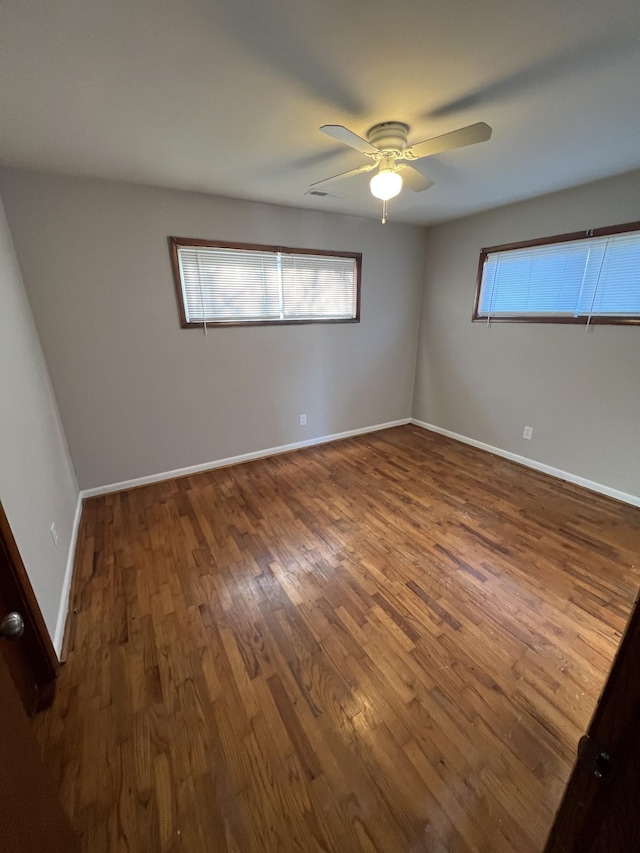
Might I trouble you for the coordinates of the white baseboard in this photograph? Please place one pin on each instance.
(235, 460)
(634, 500)
(63, 610)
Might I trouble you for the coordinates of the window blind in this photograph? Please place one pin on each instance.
(591, 277)
(245, 285)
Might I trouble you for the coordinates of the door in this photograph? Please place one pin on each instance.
(600, 810)
(31, 659)
(31, 816)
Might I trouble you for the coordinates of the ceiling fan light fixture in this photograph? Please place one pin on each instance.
(386, 184)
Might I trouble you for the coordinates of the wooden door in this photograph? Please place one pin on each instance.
(31, 816)
(17, 663)
(600, 810)
(31, 660)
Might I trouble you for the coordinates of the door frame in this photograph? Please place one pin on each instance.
(18, 594)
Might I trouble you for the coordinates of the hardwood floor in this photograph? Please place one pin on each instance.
(391, 643)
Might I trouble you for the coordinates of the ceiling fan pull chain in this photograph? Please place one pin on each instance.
(384, 212)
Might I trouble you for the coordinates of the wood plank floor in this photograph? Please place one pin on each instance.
(391, 643)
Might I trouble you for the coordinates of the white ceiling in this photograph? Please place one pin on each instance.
(227, 97)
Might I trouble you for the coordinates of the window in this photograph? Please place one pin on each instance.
(588, 277)
(224, 284)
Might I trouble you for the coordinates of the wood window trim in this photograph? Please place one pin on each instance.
(176, 242)
(546, 241)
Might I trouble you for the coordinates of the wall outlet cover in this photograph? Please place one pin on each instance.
(527, 433)
(303, 420)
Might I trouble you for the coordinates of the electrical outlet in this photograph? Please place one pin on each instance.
(54, 535)
(527, 433)
(303, 420)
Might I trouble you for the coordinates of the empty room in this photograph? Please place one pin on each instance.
(319, 427)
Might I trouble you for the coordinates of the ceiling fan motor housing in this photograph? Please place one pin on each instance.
(389, 135)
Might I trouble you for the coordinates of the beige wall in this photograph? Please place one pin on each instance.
(137, 394)
(37, 483)
(580, 391)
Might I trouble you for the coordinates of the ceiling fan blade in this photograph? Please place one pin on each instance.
(366, 168)
(413, 179)
(469, 135)
(348, 137)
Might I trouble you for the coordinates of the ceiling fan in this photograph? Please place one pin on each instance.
(386, 146)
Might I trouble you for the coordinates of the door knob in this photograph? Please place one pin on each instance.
(12, 626)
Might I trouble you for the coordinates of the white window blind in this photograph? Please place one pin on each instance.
(591, 277)
(236, 285)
